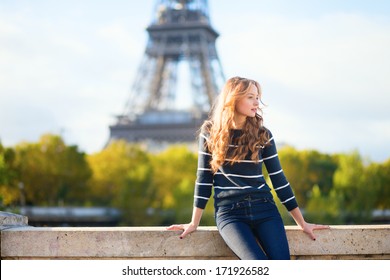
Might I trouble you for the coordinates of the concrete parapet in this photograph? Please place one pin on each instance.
(339, 242)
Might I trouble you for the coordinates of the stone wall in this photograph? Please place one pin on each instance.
(20, 241)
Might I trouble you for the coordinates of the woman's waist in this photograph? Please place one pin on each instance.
(244, 199)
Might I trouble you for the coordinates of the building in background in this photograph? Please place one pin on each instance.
(156, 113)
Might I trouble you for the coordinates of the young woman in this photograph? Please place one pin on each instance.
(233, 145)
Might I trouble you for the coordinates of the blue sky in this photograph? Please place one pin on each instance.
(66, 67)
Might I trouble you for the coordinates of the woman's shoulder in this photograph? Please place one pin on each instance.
(258, 121)
(266, 130)
(267, 135)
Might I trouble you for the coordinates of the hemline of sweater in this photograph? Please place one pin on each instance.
(222, 201)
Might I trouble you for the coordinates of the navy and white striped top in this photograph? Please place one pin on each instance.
(234, 182)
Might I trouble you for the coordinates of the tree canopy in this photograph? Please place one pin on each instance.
(157, 188)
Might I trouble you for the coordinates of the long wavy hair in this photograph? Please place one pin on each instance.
(220, 124)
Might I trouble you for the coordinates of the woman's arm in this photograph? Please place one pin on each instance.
(203, 188)
(306, 227)
(192, 226)
(279, 181)
(284, 190)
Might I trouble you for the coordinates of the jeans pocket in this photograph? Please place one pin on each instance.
(224, 209)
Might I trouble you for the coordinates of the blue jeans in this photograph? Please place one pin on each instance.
(253, 229)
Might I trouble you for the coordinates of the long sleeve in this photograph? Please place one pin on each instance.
(204, 178)
(280, 184)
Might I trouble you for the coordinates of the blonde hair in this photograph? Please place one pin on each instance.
(220, 124)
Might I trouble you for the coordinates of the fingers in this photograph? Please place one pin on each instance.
(321, 227)
(186, 230)
(184, 234)
(316, 227)
(175, 227)
(311, 235)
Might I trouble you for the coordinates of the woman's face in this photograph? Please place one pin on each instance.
(248, 105)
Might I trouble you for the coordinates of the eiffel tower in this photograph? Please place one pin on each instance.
(180, 33)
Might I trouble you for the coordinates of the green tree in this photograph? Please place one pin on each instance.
(122, 177)
(305, 169)
(351, 185)
(51, 172)
(383, 194)
(377, 178)
(174, 180)
(9, 192)
(324, 208)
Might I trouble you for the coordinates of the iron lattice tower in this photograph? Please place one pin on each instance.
(180, 32)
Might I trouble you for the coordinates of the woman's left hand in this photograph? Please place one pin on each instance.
(309, 228)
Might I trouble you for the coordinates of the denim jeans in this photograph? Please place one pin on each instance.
(253, 229)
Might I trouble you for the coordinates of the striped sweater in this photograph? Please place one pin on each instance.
(234, 182)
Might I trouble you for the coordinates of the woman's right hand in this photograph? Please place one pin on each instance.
(186, 228)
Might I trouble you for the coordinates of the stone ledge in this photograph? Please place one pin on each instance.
(339, 242)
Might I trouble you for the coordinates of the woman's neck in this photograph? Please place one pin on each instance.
(238, 124)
